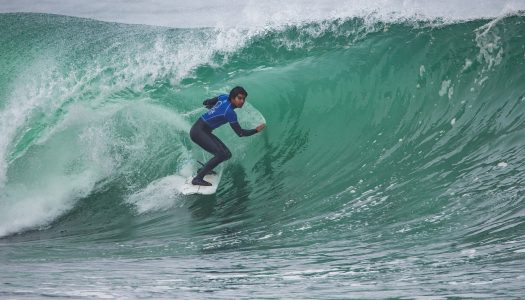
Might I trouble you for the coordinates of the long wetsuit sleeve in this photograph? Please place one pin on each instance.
(242, 132)
(209, 103)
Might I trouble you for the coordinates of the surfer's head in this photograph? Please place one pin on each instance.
(238, 96)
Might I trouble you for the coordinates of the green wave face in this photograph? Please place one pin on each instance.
(385, 142)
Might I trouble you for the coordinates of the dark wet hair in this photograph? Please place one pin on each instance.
(236, 91)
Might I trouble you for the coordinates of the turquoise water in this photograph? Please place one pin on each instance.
(392, 164)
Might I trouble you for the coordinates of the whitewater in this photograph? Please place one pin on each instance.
(392, 165)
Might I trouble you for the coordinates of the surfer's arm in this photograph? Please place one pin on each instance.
(209, 103)
(242, 132)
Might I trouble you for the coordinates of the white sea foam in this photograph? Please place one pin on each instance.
(47, 183)
(16, 112)
(159, 195)
(422, 70)
(37, 205)
(81, 151)
(446, 88)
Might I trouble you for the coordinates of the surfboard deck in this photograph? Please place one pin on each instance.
(190, 189)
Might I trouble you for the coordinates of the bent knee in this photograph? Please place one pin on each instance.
(225, 155)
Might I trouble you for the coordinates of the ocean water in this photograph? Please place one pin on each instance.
(392, 165)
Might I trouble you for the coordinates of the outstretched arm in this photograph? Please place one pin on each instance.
(246, 132)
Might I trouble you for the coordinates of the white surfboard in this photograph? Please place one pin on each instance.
(190, 189)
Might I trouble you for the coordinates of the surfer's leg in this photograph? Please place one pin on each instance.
(213, 145)
(220, 152)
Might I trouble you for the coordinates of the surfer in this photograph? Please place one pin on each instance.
(221, 111)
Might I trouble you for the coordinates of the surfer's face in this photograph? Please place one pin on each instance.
(238, 101)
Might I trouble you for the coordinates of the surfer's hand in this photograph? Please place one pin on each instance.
(260, 127)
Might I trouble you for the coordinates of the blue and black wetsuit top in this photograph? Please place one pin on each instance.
(222, 112)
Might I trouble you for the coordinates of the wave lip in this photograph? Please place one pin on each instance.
(250, 14)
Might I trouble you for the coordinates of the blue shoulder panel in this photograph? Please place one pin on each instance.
(221, 113)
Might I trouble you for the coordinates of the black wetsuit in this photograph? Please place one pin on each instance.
(221, 112)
